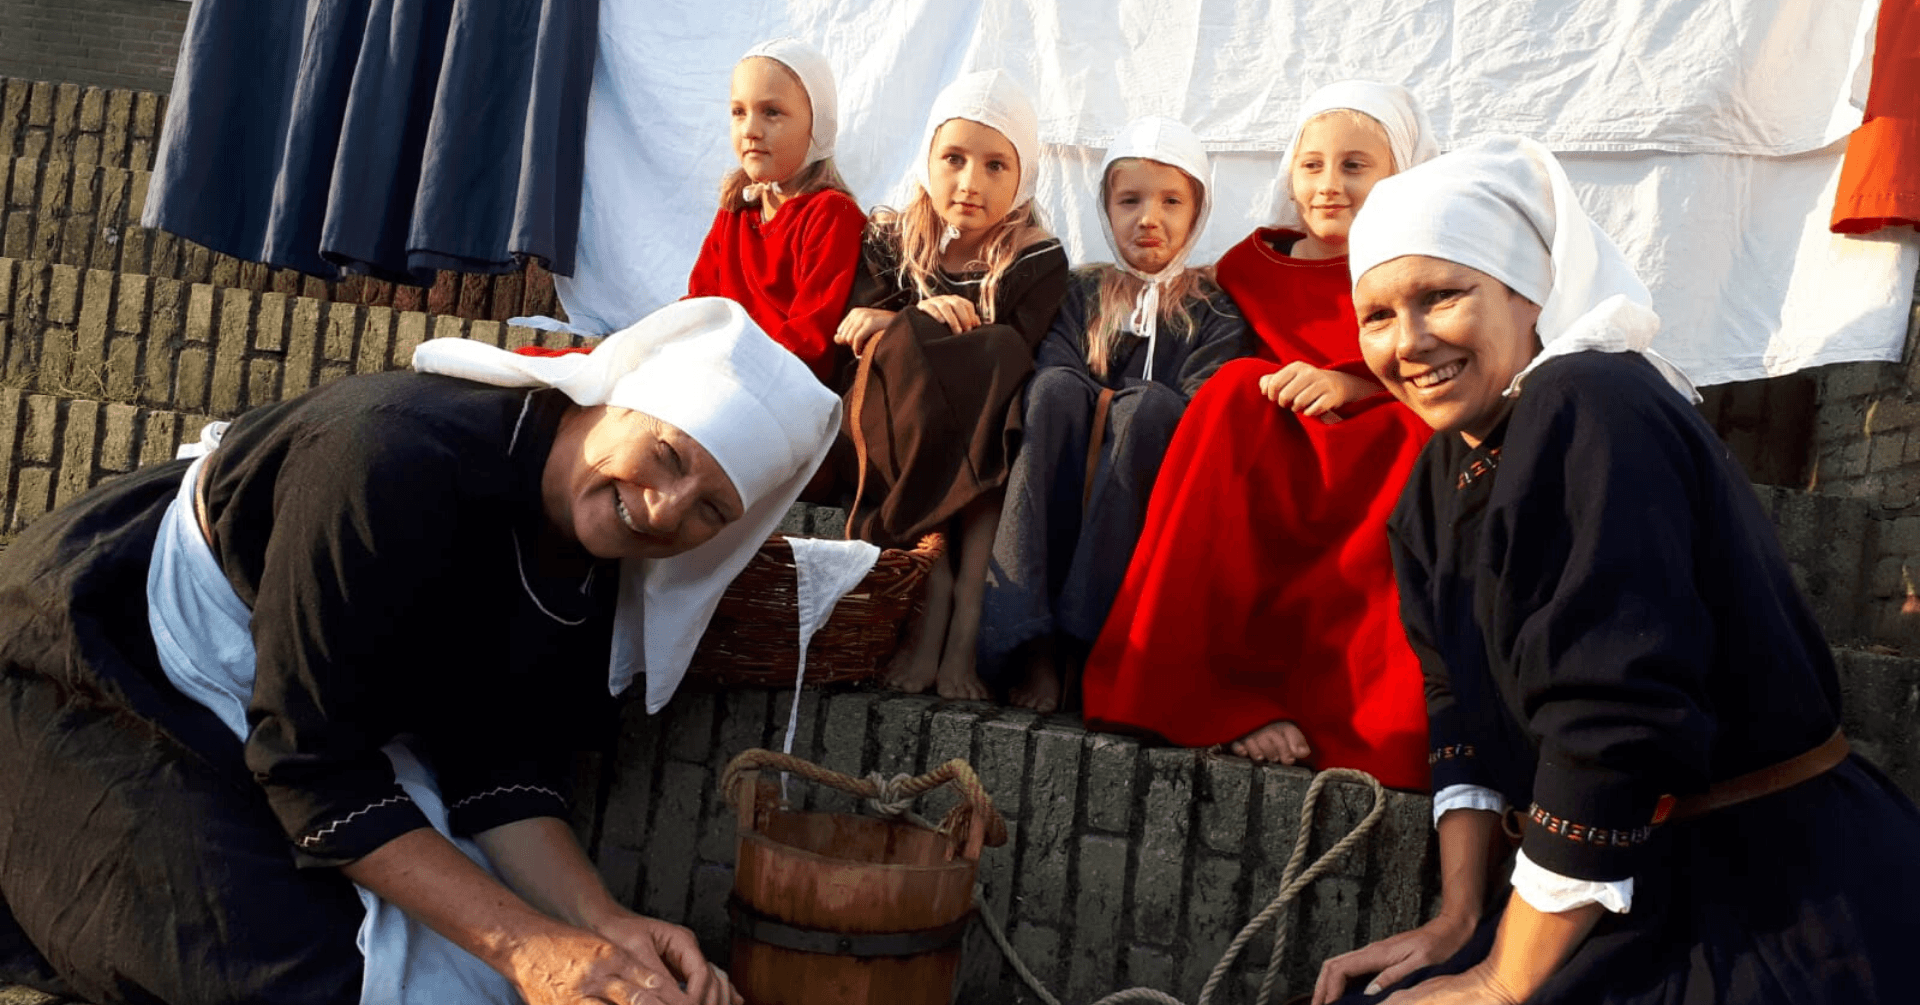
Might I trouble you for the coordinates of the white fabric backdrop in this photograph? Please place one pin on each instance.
(1706, 138)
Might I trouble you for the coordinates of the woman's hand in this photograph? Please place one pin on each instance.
(1477, 986)
(1314, 392)
(664, 947)
(563, 965)
(860, 326)
(1394, 957)
(952, 310)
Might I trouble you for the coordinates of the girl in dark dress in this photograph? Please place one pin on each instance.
(1617, 659)
(351, 644)
(954, 294)
(1132, 343)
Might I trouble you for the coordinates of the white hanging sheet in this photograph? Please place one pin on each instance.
(1705, 137)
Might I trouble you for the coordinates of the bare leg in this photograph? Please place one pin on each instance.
(957, 676)
(1280, 742)
(917, 663)
(1040, 689)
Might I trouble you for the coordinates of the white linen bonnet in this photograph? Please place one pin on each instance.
(995, 100)
(1504, 206)
(816, 78)
(1168, 142)
(1405, 123)
(704, 366)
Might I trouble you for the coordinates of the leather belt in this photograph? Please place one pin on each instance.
(1764, 782)
(1731, 792)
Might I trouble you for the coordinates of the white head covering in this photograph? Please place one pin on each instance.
(816, 78)
(1505, 207)
(997, 101)
(704, 366)
(1408, 135)
(1167, 142)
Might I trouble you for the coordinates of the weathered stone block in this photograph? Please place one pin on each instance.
(190, 379)
(114, 135)
(199, 326)
(1886, 450)
(667, 868)
(66, 109)
(950, 735)
(23, 184)
(1160, 858)
(376, 340)
(77, 450)
(223, 271)
(445, 326)
(1149, 967)
(12, 414)
(1001, 758)
(518, 337)
(1098, 908)
(6, 286)
(303, 346)
(130, 312)
(712, 883)
(270, 322)
(40, 104)
(96, 304)
(263, 381)
(1111, 763)
(843, 744)
(490, 332)
(805, 724)
(897, 729)
(1214, 916)
(1039, 946)
(1225, 796)
(691, 738)
(35, 496)
(93, 109)
(630, 794)
(56, 359)
(160, 438)
(146, 116)
(230, 351)
(343, 323)
(118, 444)
(1052, 793)
(409, 331)
(63, 295)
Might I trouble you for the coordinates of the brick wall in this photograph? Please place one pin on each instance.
(85, 351)
(111, 43)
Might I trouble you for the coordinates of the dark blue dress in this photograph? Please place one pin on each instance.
(1604, 617)
(392, 138)
(1056, 564)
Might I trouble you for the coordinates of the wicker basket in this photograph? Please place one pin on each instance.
(754, 637)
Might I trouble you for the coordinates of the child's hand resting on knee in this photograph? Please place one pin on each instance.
(860, 326)
(1314, 392)
(952, 310)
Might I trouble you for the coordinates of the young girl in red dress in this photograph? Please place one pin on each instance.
(785, 243)
(1259, 609)
(955, 293)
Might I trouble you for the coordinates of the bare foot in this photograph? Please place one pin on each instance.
(916, 666)
(1040, 689)
(1279, 742)
(959, 681)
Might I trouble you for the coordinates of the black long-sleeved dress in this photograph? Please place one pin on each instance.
(375, 528)
(1056, 569)
(1605, 617)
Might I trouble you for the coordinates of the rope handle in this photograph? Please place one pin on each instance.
(972, 822)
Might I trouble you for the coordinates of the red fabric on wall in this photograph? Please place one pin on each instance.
(1262, 588)
(1880, 179)
(792, 273)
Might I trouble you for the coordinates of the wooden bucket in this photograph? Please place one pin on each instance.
(838, 909)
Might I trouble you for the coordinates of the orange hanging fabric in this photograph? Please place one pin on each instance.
(1880, 179)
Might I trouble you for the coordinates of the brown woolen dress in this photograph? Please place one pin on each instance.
(934, 418)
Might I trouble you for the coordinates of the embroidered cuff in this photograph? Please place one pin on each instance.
(1546, 890)
(503, 804)
(340, 838)
(1466, 797)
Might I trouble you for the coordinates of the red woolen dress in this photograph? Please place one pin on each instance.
(792, 273)
(1262, 588)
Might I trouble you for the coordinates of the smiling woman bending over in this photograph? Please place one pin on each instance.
(1616, 657)
(355, 643)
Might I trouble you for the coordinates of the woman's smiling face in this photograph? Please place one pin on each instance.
(627, 485)
(1445, 339)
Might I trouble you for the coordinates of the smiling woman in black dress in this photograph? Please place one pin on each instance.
(1616, 656)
